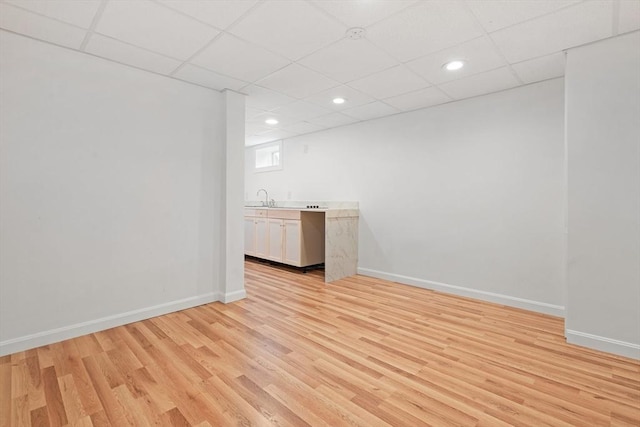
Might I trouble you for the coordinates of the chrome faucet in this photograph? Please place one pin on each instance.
(266, 197)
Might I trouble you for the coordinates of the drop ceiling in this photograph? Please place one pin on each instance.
(293, 57)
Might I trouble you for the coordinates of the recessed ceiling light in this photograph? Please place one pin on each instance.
(271, 121)
(453, 65)
(339, 100)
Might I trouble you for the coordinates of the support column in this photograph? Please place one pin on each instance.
(232, 276)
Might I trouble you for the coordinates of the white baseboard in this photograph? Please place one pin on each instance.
(596, 342)
(66, 332)
(540, 307)
(233, 296)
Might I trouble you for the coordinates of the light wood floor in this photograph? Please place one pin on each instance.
(297, 352)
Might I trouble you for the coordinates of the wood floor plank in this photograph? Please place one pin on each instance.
(87, 345)
(39, 417)
(19, 378)
(71, 399)
(55, 404)
(100, 419)
(155, 394)
(233, 408)
(360, 352)
(263, 402)
(5, 392)
(300, 397)
(86, 390)
(45, 357)
(149, 410)
(175, 418)
(112, 409)
(20, 414)
(362, 416)
(132, 409)
(171, 385)
(35, 385)
(82, 422)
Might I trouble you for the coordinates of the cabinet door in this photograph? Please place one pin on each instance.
(292, 243)
(275, 240)
(262, 235)
(249, 236)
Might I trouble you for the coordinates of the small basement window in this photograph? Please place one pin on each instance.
(268, 157)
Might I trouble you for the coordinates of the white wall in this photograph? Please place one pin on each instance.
(465, 197)
(603, 146)
(110, 193)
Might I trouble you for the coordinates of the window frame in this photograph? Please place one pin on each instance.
(267, 145)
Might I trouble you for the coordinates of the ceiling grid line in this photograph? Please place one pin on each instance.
(179, 12)
(198, 52)
(615, 17)
(50, 18)
(94, 24)
(487, 37)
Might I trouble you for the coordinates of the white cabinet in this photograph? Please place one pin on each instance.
(250, 235)
(285, 241)
(261, 237)
(276, 234)
(292, 242)
(290, 237)
(255, 232)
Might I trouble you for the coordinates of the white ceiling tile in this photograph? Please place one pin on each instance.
(292, 28)
(496, 14)
(480, 84)
(39, 27)
(629, 16)
(251, 112)
(390, 82)
(424, 28)
(349, 59)
(154, 27)
(265, 99)
(254, 128)
(569, 27)
(479, 54)
(333, 120)
(304, 127)
(353, 98)
(234, 57)
(258, 126)
(371, 111)
(302, 110)
(204, 77)
(282, 119)
(297, 81)
(418, 99)
(76, 12)
(546, 67)
(362, 13)
(219, 13)
(131, 55)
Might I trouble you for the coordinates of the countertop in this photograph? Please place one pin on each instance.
(330, 212)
